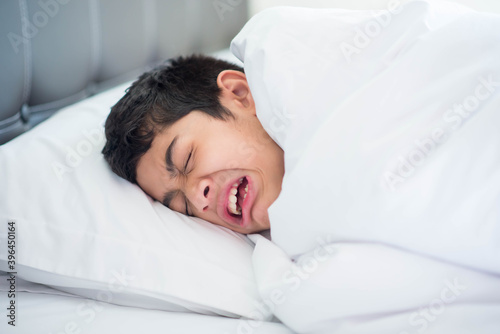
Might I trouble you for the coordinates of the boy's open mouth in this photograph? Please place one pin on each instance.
(237, 195)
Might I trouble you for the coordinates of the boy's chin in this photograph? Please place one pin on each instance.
(257, 227)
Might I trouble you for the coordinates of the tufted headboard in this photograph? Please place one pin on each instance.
(56, 52)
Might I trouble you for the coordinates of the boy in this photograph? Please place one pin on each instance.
(187, 134)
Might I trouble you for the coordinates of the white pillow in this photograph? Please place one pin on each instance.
(82, 229)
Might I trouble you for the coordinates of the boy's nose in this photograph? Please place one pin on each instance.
(201, 194)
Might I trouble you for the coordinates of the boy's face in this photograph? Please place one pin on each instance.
(227, 172)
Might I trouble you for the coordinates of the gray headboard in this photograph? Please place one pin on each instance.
(56, 52)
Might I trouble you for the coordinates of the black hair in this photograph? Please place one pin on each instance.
(157, 99)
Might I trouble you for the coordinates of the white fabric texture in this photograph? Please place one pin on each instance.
(373, 288)
(38, 308)
(82, 229)
(389, 124)
(375, 149)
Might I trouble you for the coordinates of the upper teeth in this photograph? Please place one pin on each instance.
(233, 198)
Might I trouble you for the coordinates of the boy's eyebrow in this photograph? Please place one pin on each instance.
(168, 157)
(169, 195)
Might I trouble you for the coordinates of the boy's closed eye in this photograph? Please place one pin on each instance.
(185, 172)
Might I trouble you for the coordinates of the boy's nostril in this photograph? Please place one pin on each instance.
(205, 193)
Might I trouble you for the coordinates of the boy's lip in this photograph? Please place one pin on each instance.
(222, 206)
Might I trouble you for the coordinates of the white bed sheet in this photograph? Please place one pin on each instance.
(40, 309)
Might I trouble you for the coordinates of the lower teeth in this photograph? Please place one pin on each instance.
(234, 209)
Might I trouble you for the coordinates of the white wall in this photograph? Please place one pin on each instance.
(256, 6)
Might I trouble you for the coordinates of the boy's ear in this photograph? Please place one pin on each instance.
(234, 85)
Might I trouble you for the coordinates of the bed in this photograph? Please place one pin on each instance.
(84, 251)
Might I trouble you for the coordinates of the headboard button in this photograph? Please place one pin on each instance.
(25, 113)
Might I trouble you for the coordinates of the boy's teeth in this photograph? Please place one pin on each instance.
(232, 200)
(233, 210)
(246, 191)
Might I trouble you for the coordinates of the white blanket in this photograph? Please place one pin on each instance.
(389, 123)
